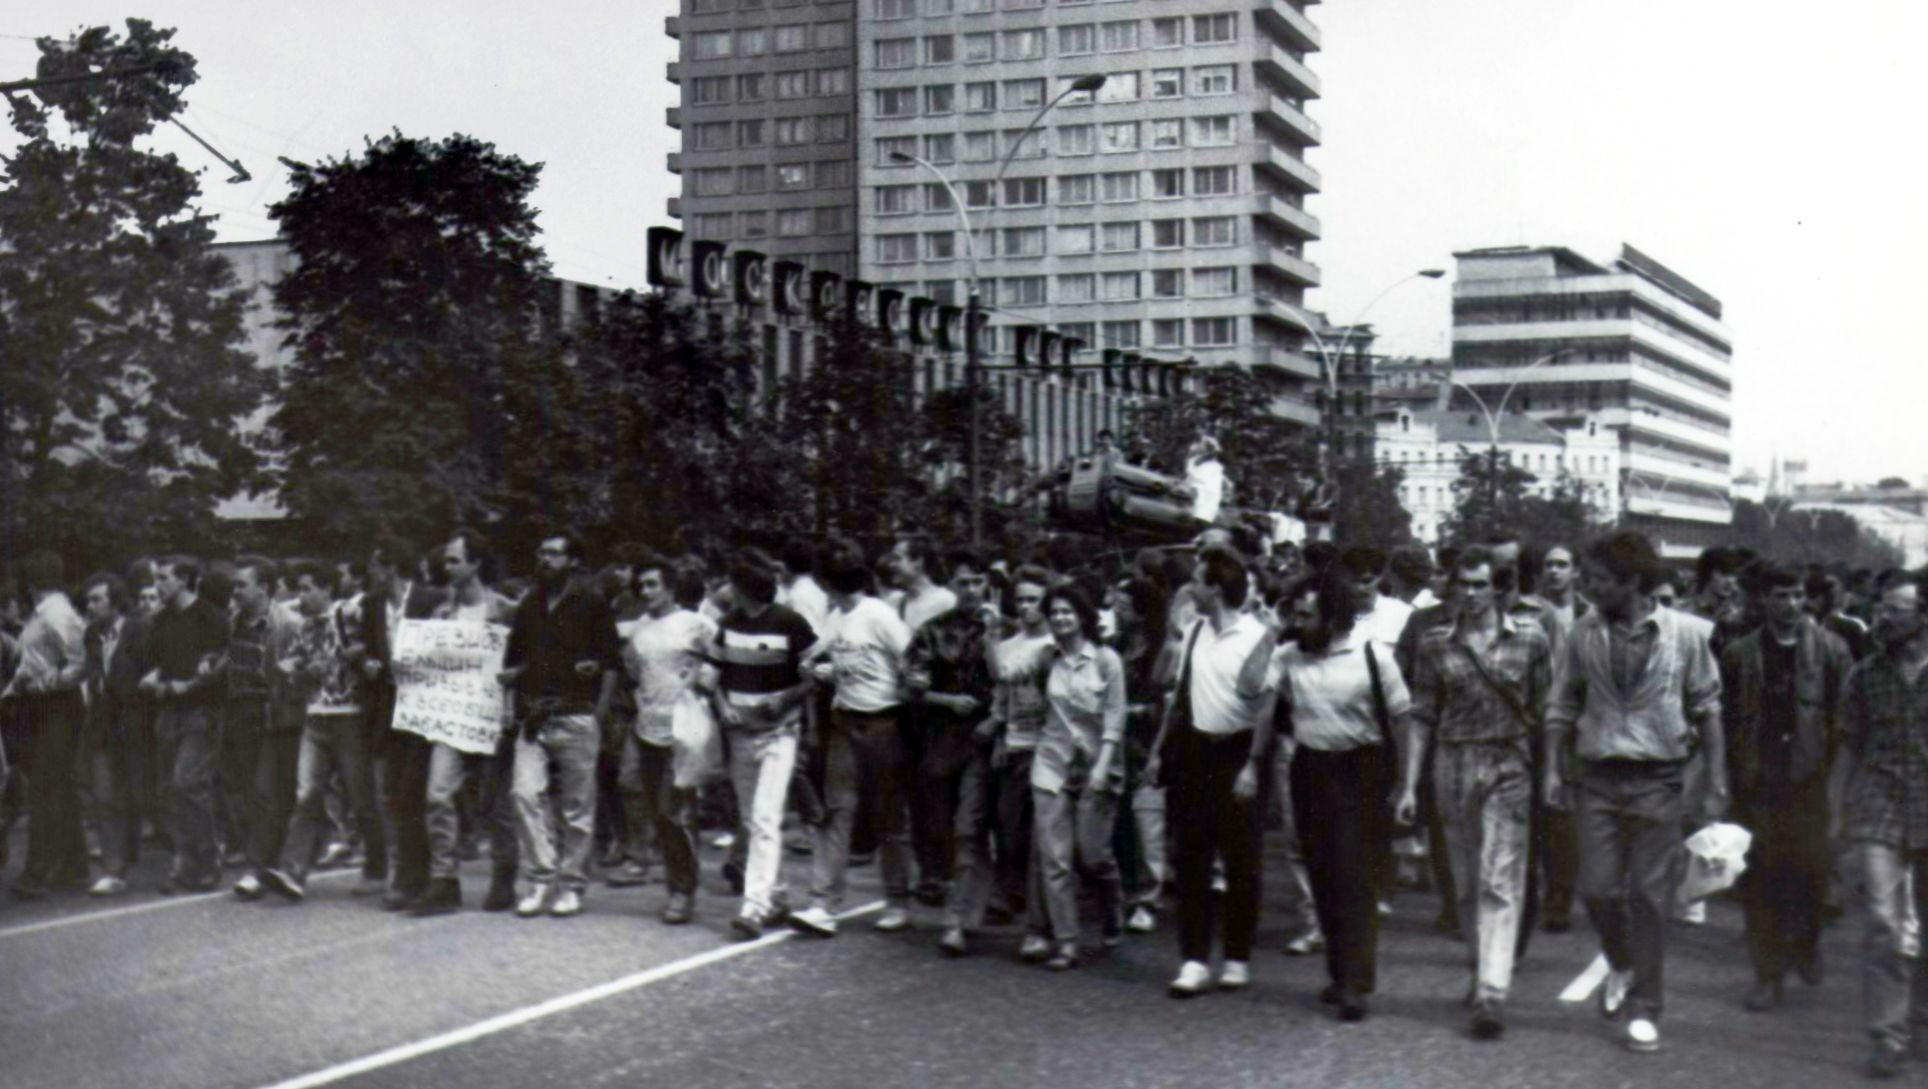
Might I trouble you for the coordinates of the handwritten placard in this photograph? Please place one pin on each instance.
(445, 682)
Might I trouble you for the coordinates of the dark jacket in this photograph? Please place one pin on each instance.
(114, 699)
(1821, 665)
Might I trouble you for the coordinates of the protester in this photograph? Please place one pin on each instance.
(265, 707)
(116, 724)
(185, 643)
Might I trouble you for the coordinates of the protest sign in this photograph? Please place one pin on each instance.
(445, 682)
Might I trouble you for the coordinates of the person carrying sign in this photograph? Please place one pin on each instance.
(1480, 687)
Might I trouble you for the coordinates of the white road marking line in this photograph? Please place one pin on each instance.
(1586, 982)
(136, 909)
(560, 1004)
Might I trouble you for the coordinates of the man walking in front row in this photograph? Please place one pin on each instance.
(1637, 689)
(1479, 691)
(185, 642)
(1882, 774)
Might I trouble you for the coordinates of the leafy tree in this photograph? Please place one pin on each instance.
(1809, 536)
(944, 447)
(123, 386)
(1889, 482)
(413, 299)
(1367, 508)
(1267, 459)
(1491, 496)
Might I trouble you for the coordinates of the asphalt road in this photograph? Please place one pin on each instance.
(206, 992)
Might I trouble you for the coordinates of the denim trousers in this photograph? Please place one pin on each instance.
(119, 768)
(1485, 798)
(646, 778)
(449, 769)
(1628, 815)
(333, 745)
(991, 838)
(1890, 978)
(243, 724)
(555, 777)
(184, 751)
(275, 789)
(1073, 840)
(862, 748)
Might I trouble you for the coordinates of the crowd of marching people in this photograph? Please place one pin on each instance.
(1011, 738)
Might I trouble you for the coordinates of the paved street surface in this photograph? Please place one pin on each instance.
(206, 992)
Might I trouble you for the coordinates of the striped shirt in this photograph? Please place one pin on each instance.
(758, 656)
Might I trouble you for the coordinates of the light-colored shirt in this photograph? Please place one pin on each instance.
(1206, 479)
(866, 645)
(1332, 707)
(1019, 700)
(1641, 693)
(1085, 707)
(661, 656)
(1385, 622)
(1225, 695)
(806, 599)
(53, 647)
(927, 606)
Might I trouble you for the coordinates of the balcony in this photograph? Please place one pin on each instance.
(1295, 411)
(1296, 269)
(676, 162)
(673, 27)
(1281, 18)
(1278, 63)
(1286, 215)
(676, 207)
(1271, 355)
(673, 71)
(1276, 110)
(1294, 316)
(673, 117)
(1291, 169)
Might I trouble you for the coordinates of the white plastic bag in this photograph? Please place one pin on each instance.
(696, 744)
(1716, 856)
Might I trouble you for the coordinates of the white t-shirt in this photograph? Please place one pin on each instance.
(1220, 703)
(1386, 622)
(662, 655)
(806, 599)
(1331, 693)
(1206, 479)
(866, 647)
(929, 605)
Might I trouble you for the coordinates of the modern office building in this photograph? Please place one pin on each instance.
(1163, 213)
(1640, 349)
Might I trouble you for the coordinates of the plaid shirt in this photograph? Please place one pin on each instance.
(1887, 731)
(1459, 706)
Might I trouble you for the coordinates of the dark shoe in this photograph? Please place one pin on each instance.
(1765, 996)
(444, 897)
(1331, 996)
(1887, 1061)
(1809, 968)
(746, 927)
(1352, 1007)
(1064, 958)
(998, 915)
(733, 874)
(281, 883)
(501, 895)
(1487, 1024)
(679, 909)
(953, 944)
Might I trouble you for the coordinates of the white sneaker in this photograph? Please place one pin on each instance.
(1695, 913)
(1305, 944)
(568, 902)
(1194, 976)
(1034, 949)
(1643, 1035)
(815, 921)
(1235, 976)
(1613, 993)
(1142, 920)
(108, 885)
(534, 903)
(893, 920)
(248, 888)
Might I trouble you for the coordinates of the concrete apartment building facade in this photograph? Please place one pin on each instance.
(1426, 445)
(1162, 215)
(1647, 356)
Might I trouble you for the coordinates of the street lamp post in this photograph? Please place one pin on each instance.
(973, 303)
(1493, 418)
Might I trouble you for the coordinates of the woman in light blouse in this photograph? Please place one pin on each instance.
(1078, 774)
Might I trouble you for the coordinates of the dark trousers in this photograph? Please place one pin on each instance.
(1786, 878)
(403, 777)
(1559, 862)
(1209, 823)
(651, 798)
(273, 796)
(1339, 802)
(119, 772)
(56, 846)
(1629, 815)
(185, 750)
(244, 722)
(944, 748)
(330, 745)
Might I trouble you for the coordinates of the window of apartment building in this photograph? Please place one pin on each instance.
(749, 133)
(1214, 282)
(832, 127)
(754, 224)
(896, 249)
(708, 7)
(1168, 184)
(710, 136)
(1219, 131)
(1076, 139)
(1077, 189)
(940, 98)
(830, 35)
(1024, 241)
(979, 97)
(753, 41)
(1119, 136)
(980, 48)
(1210, 29)
(980, 194)
(980, 147)
(713, 225)
(936, 197)
(896, 52)
(1120, 186)
(1119, 237)
(792, 131)
(832, 173)
(1119, 334)
(1168, 33)
(1215, 231)
(1019, 144)
(1076, 238)
(940, 49)
(1214, 181)
(1166, 133)
(1084, 332)
(1022, 45)
(1023, 94)
(794, 223)
(713, 182)
(1168, 283)
(984, 242)
(896, 200)
(1118, 286)
(1214, 332)
(1023, 192)
(1119, 87)
(1073, 40)
(1072, 96)
(793, 85)
(1214, 79)
(1167, 234)
(1079, 287)
(711, 44)
(793, 176)
(940, 245)
(752, 179)
(979, 7)
(833, 219)
(1022, 5)
(941, 147)
(709, 90)
(1119, 37)
(939, 7)
(941, 291)
(1167, 82)
(897, 101)
(833, 81)
(890, 145)
(1021, 291)
(1168, 333)
(794, 38)
(896, 9)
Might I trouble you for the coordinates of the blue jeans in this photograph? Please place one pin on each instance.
(860, 748)
(557, 755)
(1628, 815)
(330, 745)
(184, 752)
(1888, 975)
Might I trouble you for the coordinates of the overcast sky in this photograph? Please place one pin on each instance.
(1767, 151)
